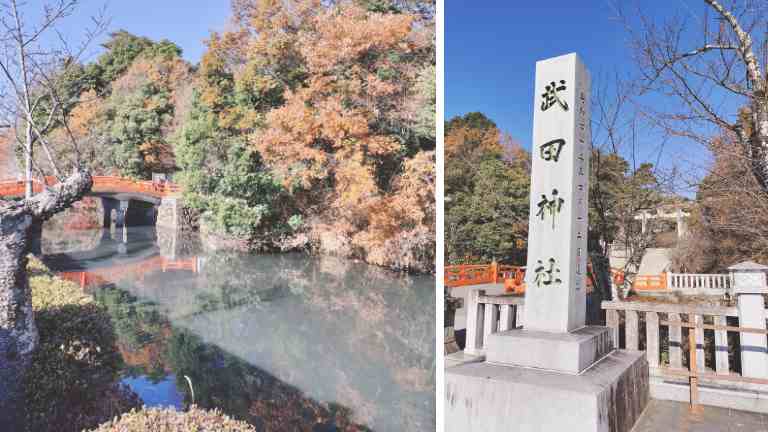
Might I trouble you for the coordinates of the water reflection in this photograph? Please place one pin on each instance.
(286, 342)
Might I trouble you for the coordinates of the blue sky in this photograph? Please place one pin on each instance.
(187, 23)
(491, 51)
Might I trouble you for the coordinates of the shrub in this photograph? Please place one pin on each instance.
(170, 420)
(50, 291)
(72, 381)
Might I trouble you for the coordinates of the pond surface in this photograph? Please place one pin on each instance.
(283, 341)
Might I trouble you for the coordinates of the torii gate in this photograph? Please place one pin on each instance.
(677, 213)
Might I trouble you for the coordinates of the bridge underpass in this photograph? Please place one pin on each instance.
(126, 201)
(133, 210)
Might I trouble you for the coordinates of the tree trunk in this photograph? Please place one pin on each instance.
(18, 334)
(758, 142)
(28, 163)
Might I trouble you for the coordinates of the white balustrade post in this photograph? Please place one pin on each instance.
(652, 339)
(675, 342)
(612, 321)
(506, 317)
(632, 330)
(519, 315)
(749, 287)
(721, 347)
(491, 321)
(699, 333)
(475, 317)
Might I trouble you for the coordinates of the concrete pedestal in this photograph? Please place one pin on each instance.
(607, 397)
(750, 286)
(569, 353)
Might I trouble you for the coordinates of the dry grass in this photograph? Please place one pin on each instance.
(170, 420)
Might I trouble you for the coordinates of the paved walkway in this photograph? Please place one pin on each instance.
(655, 261)
(668, 416)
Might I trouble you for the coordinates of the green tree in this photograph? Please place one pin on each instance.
(487, 195)
(616, 193)
(122, 49)
(490, 220)
(226, 180)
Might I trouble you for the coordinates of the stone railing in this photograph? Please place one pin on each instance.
(715, 284)
(487, 314)
(684, 283)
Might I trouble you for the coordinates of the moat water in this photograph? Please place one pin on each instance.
(282, 341)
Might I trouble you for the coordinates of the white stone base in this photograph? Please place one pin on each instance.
(461, 357)
(568, 353)
(608, 397)
(737, 396)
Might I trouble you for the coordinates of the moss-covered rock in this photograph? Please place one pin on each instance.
(169, 420)
(73, 380)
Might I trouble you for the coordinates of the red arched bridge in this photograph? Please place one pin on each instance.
(154, 200)
(101, 185)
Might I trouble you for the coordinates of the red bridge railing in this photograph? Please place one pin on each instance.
(513, 277)
(100, 184)
(135, 270)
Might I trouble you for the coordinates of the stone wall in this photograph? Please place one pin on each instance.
(169, 214)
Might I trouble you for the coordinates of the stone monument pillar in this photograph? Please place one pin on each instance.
(557, 230)
(555, 373)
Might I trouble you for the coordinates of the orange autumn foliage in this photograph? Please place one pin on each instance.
(325, 94)
(464, 141)
(401, 223)
(84, 114)
(324, 127)
(341, 36)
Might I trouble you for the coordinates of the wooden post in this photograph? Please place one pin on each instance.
(694, 379)
(494, 272)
